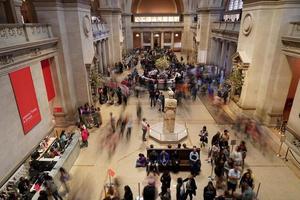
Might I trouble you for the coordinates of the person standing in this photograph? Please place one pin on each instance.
(191, 186)
(128, 193)
(84, 137)
(129, 128)
(64, 178)
(180, 190)
(203, 137)
(112, 122)
(51, 187)
(209, 192)
(139, 111)
(233, 176)
(145, 127)
(165, 180)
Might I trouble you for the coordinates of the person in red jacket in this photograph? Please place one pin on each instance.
(84, 137)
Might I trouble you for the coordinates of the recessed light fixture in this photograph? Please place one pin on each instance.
(137, 35)
(176, 35)
(156, 35)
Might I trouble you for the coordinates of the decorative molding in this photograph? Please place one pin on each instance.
(6, 59)
(247, 24)
(86, 25)
(35, 52)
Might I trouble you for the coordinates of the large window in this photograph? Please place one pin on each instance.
(157, 19)
(235, 4)
(233, 11)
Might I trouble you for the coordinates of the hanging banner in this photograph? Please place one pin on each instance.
(25, 96)
(48, 79)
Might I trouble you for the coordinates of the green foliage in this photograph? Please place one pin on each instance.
(162, 63)
(236, 80)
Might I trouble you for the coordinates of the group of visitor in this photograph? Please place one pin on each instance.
(90, 116)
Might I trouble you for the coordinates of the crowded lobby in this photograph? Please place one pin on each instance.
(149, 99)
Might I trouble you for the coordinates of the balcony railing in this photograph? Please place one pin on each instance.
(100, 31)
(294, 29)
(17, 34)
(291, 39)
(233, 27)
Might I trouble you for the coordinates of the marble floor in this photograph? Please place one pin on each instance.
(89, 173)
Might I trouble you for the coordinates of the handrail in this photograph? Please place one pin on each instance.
(294, 156)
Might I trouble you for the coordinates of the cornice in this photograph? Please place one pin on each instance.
(252, 3)
(7, 50)
(210, 10)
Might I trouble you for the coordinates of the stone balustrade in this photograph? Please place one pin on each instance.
(291, 39)
(100, 31)
(294, 29)
(17, 34)
(226, 26)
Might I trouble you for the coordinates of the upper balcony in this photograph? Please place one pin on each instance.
(157, 21)
(291, 40)
(16, 36)
(99, 28)
(226, 29)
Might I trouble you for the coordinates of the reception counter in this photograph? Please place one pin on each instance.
(66, 160)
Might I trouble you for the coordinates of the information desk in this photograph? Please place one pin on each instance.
(66, 160)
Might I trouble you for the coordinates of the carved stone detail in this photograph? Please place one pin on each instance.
(6, 59)
(247, 24)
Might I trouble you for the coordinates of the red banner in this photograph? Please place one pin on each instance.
(48, 79)
(25, 96)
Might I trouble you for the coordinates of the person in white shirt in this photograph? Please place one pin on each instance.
(195, 161)
(234, 176)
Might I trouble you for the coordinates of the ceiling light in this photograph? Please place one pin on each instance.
(137, 35)
(176, 35)
(156, 35)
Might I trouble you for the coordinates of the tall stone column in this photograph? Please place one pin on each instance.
(208, 12)
(172, 40)
(111, 13)
(17, 5)
(152, 40)
(108, 61)
(222, 57)
(162, 40)
(142, 39)
(104, 51)
(99, 49)
(75, 47)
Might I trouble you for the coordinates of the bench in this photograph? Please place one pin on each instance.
(183, 155)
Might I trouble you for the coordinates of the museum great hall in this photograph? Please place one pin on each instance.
(104, 99)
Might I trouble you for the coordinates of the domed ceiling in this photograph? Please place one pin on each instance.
(157, 6)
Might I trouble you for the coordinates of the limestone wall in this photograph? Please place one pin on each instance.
(14, 144)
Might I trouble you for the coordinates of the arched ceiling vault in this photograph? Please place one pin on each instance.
(157, 6)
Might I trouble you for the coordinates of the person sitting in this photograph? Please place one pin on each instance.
(141, 161)
(164, 159)
(152, 161)
(195, 161)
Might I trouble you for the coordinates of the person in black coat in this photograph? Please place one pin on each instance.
(149, 192)
(165, 180)
(128, 194)
(209, 192)
(180, 190)
(191, 186)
